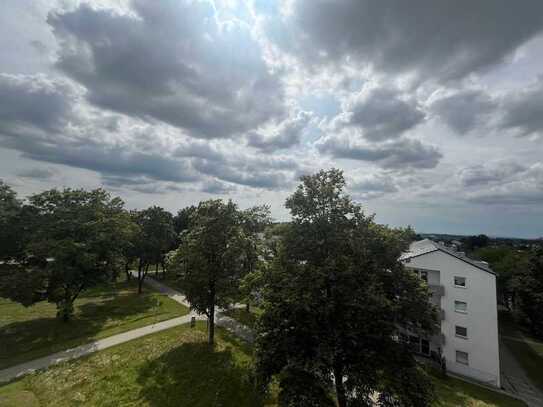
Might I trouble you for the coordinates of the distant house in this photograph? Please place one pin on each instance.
(465, 292)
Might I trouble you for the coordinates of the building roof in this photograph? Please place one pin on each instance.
(425, 246)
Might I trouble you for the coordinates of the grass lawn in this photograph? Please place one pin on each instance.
(527, 350)
(177, 368)
(170, 368)
(452, 392)
(242, 316)
(29, 333)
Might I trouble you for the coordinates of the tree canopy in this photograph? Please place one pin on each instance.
(75, 243)
(212, 258)
(334, 300)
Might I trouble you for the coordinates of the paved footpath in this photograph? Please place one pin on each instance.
(83, 350)
(42, 363)
(230, 324)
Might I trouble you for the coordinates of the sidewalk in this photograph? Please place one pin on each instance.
(227, 323)
(83, 350)
(221, 320)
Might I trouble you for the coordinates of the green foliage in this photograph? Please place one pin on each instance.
(301, 388)
(212, 257)
(75, 244)
(528, 284)
(11, 231)
(335, 295)
(153, 238)
(506, 262)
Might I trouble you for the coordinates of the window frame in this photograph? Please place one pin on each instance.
(460, 286)
(460, 311)
(460, 335)
(460, 361)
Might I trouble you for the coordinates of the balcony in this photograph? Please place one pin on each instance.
(437, 290)
(438, 339)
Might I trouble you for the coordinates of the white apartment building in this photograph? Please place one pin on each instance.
(465, 291)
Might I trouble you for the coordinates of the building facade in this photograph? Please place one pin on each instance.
(464, 291)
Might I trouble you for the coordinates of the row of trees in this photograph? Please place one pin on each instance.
(332, 290)
(519, 276)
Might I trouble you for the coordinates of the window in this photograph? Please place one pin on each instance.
(460, 281)
(424, 275)
(461, 306)
(461, 331)
(462, 357)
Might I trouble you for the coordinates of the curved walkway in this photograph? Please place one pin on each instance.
(22, 369)
(227, 323)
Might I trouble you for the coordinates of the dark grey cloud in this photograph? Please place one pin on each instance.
(286, 135)
(464, 110)
(380, 114)
(445, 40)
(255, 172)
(35, 101)
(484, 174)
(372, 186)
(40, 174)
(170, 62)
(503, 183)
(217, 187)
(523, 110)
(398, 154)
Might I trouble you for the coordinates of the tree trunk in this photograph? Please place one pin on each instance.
(141, 276)
(211, 317)
(127, 271)
(340, 389)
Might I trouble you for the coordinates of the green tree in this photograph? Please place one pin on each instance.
(11, 233)
(506, 262)
(528, 284)
(181, 221)
(153, 238)
(75, 244)
(212, 258)
(254, 222)
(334, 299)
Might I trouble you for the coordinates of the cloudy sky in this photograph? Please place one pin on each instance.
(434, 109)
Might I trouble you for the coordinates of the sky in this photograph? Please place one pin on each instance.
(433, 109)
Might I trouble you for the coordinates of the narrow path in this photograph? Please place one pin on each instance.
(227, 323)
(83, 350)
(515, 380)
(230, 324)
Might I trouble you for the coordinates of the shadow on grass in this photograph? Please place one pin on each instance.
(197, 376)
(95, 310)
(452, 392)
(530, 360)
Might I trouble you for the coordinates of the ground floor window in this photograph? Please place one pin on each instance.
(462, 357)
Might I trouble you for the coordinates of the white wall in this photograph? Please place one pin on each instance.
(481, 319)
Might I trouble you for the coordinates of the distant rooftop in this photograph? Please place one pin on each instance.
(425, 246)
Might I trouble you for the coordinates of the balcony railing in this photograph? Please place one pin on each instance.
(437, 290)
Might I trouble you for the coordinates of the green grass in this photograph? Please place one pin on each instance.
(452, 392)
(29, 333)
(177, 368)
(242, 316)
(170, 368)
(528, 351)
